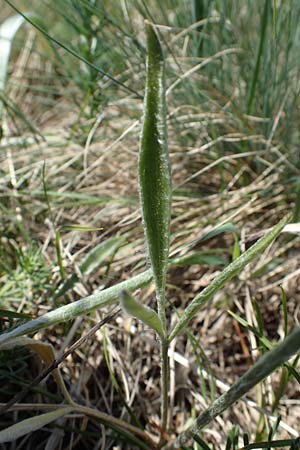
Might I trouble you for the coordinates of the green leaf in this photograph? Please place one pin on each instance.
(236, 248)
(83, 306)
(81, 228)
(227, 274)
(265, 343)
(147, 315)
(110, 295)
(205, 237)
(92, 261)
(274, 444)
(33, 424)
(199, 258)
(59, 255)
(154, 166)
(216, 231)
(14, 315)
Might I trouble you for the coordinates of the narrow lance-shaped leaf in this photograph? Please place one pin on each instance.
(95, 301)
(227, 274)
(154, 166)
(33, 424)
(261, 369)
(147, 315)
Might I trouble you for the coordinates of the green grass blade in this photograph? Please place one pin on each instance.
(227, 227)
(274, 18)
(154, 166)
(198, 13)
(274, 444)
(202, 444)
(228, 273)
(5, 313)
(199, 258)
(59, 255)
(102, 252)
(296, 214)
(264, 24)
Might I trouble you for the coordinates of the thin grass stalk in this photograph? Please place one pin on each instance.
(254, 80)
(261, 369)
(198, 13)
(119, 423)
(165, 382)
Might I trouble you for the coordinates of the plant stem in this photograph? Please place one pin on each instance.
(110, 420)
(165, 376)
(165, 369)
